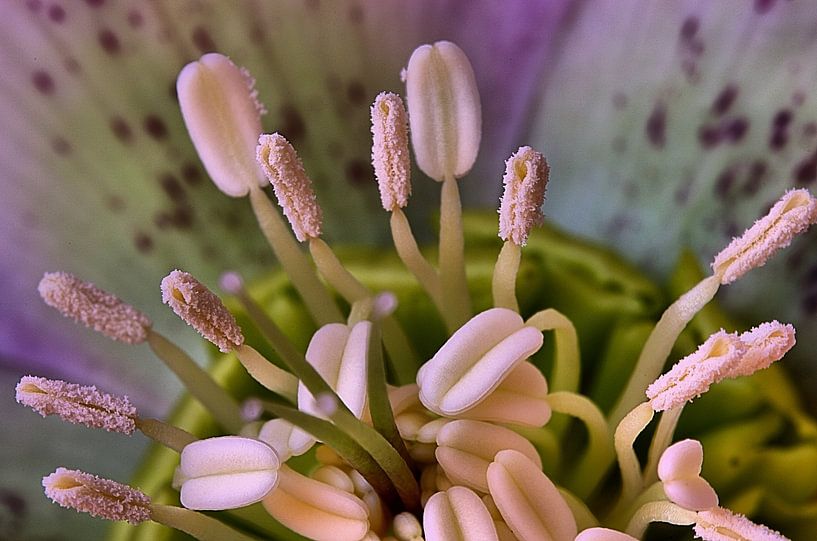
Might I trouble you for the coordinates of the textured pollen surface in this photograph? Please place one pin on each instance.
(292, 186)
(390, 153)
(96, 309)
(720, 524)
(201, 309)
(525, 180)
(81, 404)
(96, 496)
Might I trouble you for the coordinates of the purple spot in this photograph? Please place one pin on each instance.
(359, 172)
(798, 98)
(809, 303)
(172, 187)
(810, 129)
(121, 130)
(202, 40)
(143, 242)
(115, 203)
(782, 118)
(736, 129)
(656, 127)
(292, 123)
(191, 174)
(806, 171)
(619, 100)
(724, 183)
(689, 28)
(109, 41)
(356, 92)
(182, 217)
(725, 99)
(34, 5)
(135, 19)
(778, 140)
(56, 13)
(95, 3)
(155, 127)
(61, 146)
(14, 503)
(43, 82)
(356, 14)
(709, 137)
(754, 180)
(764, 6)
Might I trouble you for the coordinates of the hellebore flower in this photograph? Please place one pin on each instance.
(116, 142)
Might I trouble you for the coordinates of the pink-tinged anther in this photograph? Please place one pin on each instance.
(790, 216)
(720, 524)
(96, 309)
(98, 497)
(223, 117)
(695, 373)
(457, 513)
(201, 309)
(603, 534)
(766, 344)
(680, 472)
(390, 151)
(525, 180)
(292, 186)
(79, 404)
(476, 360)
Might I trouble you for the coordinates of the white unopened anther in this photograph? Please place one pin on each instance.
(223, 116)
(457, 513)
(227, 472)
(444, 110)
(680, 472)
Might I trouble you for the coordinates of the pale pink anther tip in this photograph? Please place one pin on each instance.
(231, 282)
(96, 496)
(292, 186)
(78, 404)
(201, 309)
(525, 180)
(790, 216)
(694, 374)
(96, 309)
(766, 344)
(390, 151)
(719, 524)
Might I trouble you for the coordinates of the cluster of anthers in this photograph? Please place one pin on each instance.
(456, 454)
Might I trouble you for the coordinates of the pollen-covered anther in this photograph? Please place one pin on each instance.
(390, 151)
(292, 186)
(227, 472)
(223, 116)
(694, 374)
(444, 110)
(766, 344)
(77, 404)
(98, 497)
(720, 524)
(96, 309)
(525, 180)
(679, 469)
(790, 216)
(201, 309)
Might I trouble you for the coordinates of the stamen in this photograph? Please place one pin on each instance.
(222, 115)
(201, 309)
(227, 472)
(98, 497)
(766, 343)
(390, 153)
(693, 375)
(680, 472)
(526, 176)
(444, 110)
(96, 309)
(292, 186)
(790, 216)
(406, 526)
(77, 404)
(457, 513)
(719, 523)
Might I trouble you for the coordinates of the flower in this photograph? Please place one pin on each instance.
(387, 445)
(55, 23)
